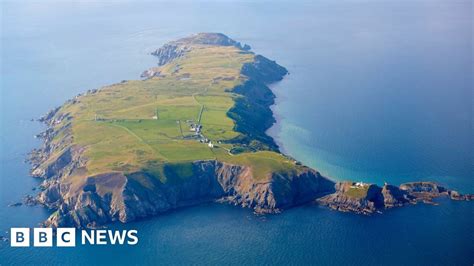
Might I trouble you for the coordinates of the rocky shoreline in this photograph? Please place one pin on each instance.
(211, 180)
(125, 197)
(369, 198)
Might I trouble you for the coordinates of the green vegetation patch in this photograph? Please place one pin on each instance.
(357, 192)
(147, 126)
(264, 163)
(178, 172)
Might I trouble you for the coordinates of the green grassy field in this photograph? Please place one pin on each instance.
(357, 192)
(145, 124)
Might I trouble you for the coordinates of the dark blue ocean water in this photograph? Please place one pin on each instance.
(378, 91)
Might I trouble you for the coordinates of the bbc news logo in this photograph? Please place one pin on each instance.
(66, 237)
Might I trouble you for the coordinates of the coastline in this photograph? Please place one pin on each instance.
(68, 48)
(235, 184)
(276, 128)
(132, 200)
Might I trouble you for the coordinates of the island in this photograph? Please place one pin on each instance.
(192, 130)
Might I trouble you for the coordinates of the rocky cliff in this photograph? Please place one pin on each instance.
(369, 198)
(139, 195)
(252, 113)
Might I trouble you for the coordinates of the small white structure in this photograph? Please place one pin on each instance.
(359, 185)
(210, 144)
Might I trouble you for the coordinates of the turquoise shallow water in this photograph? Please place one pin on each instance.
(378, 91)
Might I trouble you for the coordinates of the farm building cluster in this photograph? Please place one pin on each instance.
(197, 129)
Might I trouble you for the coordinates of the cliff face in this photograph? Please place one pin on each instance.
(140, 195)
(252, 113)
(370, 198)
(169, 52)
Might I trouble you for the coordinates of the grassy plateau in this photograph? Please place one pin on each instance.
(145, 125)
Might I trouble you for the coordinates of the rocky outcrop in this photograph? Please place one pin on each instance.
(429, 190)
(142, 195)
(264, 70)
(169, 52)
(179, 48)
(342, 200)
(150, 73)
(393, 196)
(57, 157)
(370, 198)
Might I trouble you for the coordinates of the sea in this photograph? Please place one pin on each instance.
(378, 91)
